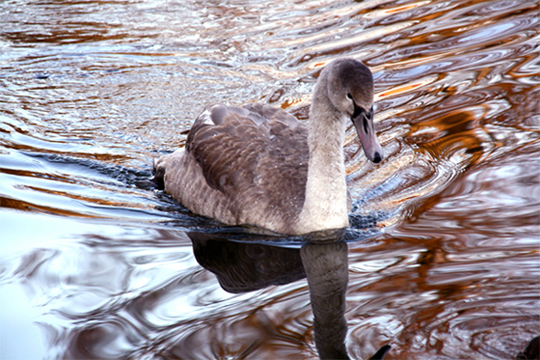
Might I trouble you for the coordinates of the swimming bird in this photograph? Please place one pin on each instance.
(258, 165)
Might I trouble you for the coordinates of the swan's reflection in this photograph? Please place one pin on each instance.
(327, 271)
(242, 267)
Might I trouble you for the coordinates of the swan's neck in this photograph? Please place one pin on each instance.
(325, 205)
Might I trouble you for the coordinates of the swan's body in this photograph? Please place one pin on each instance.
(259, 165)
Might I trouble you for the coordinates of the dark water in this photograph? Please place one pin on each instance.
(443, 256)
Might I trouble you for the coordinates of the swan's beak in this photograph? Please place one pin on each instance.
(363, 122)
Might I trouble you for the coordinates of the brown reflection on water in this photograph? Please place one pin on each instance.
(473, 285)
(92, 91)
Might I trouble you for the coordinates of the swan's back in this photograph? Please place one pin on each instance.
(241, 166)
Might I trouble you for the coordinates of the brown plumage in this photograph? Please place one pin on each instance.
(250, 165)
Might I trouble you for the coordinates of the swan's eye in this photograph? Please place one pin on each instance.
(349, 96)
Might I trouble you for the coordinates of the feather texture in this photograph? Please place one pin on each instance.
(241, 166)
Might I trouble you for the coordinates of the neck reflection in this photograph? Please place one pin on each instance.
(326, 267)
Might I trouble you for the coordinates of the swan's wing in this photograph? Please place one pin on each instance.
(253, 154)
(227, 143)
(273, 114)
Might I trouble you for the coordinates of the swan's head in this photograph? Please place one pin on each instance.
(350, 89)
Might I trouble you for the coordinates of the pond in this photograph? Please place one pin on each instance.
(442, 258)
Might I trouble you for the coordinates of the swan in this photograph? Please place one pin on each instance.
(258, 165)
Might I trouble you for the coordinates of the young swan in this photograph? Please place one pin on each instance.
(258, 165)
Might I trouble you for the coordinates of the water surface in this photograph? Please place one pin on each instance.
(442, 255)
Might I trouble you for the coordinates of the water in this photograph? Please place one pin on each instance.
(442, 256)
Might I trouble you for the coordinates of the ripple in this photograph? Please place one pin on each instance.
(442, 231)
